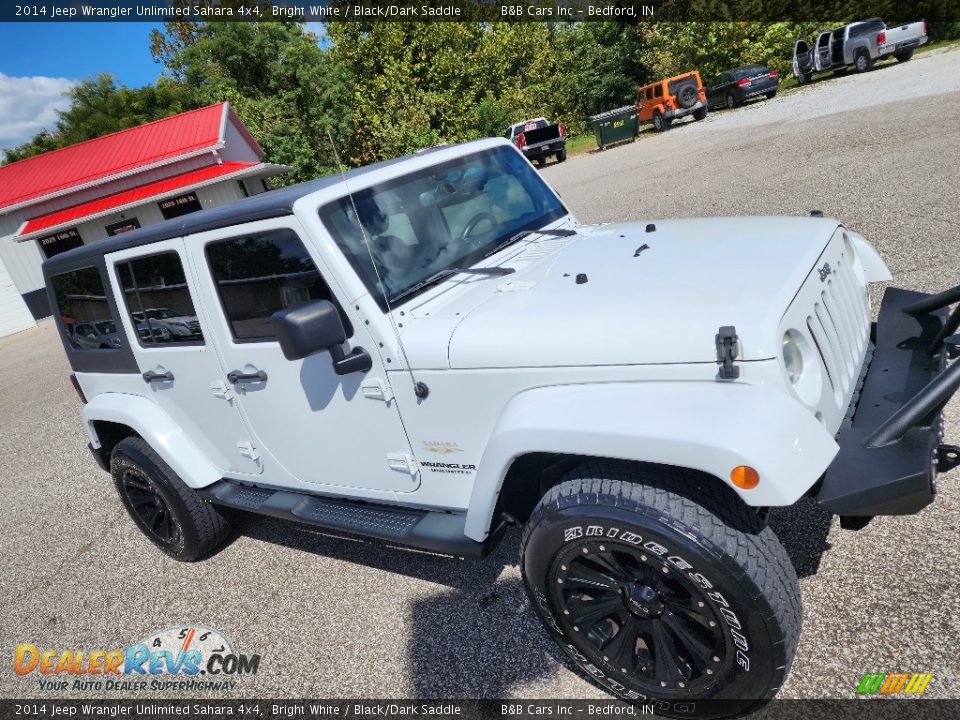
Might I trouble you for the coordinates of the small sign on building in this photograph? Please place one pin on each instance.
(180, 205)
(60, 242)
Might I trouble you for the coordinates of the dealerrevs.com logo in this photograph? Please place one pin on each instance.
(184, 658)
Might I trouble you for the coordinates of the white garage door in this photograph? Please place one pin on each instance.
(14, 315)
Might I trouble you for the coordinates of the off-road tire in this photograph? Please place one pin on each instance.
(660, 123)
(862, 61)
(771, 95)
(200, 528)
(541, 162)
(561, 156)
(803, 78)
(683, 539)
(731, 101)
(903, 56)
(700, 113)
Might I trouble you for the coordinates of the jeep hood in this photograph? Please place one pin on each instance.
(618, 295)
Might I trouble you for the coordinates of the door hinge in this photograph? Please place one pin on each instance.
(402, 462)
(377, 389)
(247, 450)
(728, 348)
(221, 390)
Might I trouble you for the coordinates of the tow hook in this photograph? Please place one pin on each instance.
(947, 457)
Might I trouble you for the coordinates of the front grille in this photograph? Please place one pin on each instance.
(839, 324)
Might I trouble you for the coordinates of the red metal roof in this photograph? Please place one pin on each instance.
(111, 155)
(156, 189)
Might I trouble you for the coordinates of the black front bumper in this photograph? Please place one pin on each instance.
(890, 451)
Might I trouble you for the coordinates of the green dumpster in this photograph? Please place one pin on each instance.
(615, 125)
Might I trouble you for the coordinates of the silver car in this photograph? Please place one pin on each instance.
(96, 334)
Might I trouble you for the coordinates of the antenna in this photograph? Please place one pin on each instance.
(420, 389)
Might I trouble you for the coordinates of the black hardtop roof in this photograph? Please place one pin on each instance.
(270, 204)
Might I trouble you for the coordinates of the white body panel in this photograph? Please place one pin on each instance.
(171, 441)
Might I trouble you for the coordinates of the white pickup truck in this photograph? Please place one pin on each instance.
(859, 45)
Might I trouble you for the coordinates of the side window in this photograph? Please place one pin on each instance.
(256, 275)
(85, 315)
(158, 301)
(658, 91)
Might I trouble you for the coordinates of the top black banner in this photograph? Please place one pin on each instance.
(893, 11)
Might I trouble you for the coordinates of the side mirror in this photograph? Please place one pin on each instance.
(316, 327)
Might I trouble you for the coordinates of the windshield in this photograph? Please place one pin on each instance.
(449, 215)
(161, 314)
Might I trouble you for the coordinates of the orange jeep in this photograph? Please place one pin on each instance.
(665, 100)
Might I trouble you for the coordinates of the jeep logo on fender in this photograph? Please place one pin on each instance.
(825, 272)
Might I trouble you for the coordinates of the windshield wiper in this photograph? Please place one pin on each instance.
(558, 232)
(447, 272)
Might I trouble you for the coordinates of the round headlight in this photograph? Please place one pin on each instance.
(792, 357)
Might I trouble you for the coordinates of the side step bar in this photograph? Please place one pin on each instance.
(437, 532)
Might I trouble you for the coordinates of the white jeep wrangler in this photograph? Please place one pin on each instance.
(429, 349)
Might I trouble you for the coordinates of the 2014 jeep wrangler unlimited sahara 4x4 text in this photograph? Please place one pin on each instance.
(427, 349)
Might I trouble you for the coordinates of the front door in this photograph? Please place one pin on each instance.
(319, 427)
(181, 372)
(802, 62)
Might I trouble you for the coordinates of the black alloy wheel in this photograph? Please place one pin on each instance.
(150, 507)
(641, 616)
(662, 586)
(172, 515)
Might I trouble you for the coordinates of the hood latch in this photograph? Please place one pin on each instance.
(728, 347)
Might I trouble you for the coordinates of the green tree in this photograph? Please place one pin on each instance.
(287, 90)
(98, 107)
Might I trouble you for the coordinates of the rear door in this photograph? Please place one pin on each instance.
(822, 53)
(183, 375)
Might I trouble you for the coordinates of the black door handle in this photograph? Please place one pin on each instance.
(151, 376)
(235, 376)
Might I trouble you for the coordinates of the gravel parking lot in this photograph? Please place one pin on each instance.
(340, 617)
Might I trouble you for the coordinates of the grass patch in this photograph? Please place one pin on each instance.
(582, 143)
(938, 45)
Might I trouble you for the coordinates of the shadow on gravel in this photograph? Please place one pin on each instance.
(803, 529)
(481, 639)
(378, 554)
(476, 638)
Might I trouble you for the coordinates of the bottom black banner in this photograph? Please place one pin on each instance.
(856, 709)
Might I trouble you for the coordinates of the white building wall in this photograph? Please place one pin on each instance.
(22, 259)
(14, 315)
(235, 146)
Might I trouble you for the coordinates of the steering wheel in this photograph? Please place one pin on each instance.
(476, 220)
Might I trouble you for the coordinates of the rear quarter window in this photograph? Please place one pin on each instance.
(84, 313)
